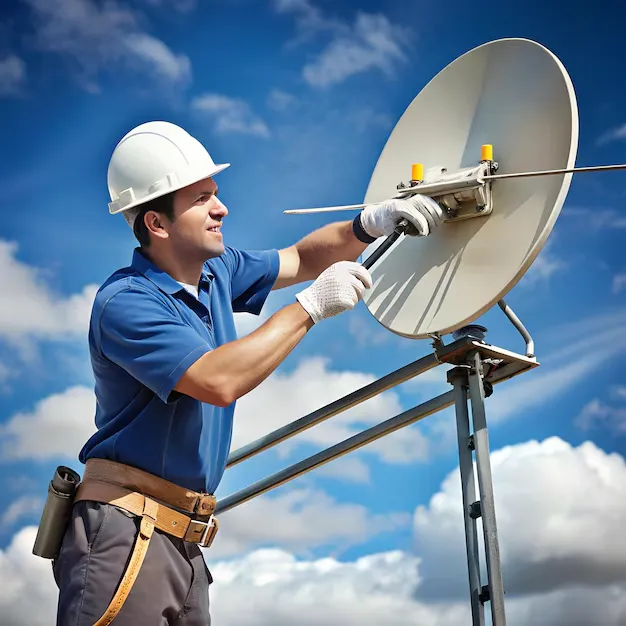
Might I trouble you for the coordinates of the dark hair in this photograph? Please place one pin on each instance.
(162, 204)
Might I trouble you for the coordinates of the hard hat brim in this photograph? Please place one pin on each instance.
(161, 192)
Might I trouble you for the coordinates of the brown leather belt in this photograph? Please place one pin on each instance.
(147, 496)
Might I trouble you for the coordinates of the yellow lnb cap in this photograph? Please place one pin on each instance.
(417, 171)
(486, 152)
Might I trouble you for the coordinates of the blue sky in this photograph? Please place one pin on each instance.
(300, 96)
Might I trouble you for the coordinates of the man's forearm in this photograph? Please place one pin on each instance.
(327, 245)
(232, 370)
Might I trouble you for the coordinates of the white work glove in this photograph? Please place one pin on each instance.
(337, 289)
(422, 213)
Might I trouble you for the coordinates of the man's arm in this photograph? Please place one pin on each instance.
(308, 258)
(228, 372)
(223, 375)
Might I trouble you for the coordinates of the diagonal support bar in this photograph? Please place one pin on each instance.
(334, 408)
(348, 445)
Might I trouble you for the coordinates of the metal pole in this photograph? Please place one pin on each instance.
(485, 486)
(458, 377)
(348, 445)
(330, 410)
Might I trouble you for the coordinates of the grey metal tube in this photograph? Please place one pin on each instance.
(330, 410)
(348, 445)
(530, 344)
(487, 506)
(459, 379)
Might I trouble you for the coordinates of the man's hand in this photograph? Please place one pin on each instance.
(337, 289)
(422, 213)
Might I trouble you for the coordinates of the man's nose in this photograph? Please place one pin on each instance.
(219, 208)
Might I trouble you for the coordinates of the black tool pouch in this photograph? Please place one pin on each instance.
(56, 512)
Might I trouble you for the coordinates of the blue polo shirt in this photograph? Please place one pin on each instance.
(145, 331)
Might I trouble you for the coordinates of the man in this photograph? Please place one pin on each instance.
(169, 368)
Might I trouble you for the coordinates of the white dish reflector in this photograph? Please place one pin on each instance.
(517, 96)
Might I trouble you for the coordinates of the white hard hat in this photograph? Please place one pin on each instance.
(153, 159)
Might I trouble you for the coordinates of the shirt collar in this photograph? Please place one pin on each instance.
(160, 278)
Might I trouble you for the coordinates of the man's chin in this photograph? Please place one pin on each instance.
(215, 250)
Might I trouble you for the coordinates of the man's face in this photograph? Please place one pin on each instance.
(196, 230)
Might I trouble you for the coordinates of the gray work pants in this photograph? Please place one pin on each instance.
(172, 586)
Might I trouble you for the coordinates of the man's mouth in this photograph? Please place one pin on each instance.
(214, 229)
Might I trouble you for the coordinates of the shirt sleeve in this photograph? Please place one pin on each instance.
(252, 275)
(144, 335)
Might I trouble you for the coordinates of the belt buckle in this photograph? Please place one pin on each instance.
(208, 534)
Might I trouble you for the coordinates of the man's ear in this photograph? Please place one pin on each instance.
(156, 223)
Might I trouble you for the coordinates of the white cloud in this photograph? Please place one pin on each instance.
(367, 331)
(293, 520)
(154, 54)
(346, 468)
(619, 283)
(280, 100)
(104, 38)
(182, 6)
(544, 267)
(28, 595)
(560, 513)
(26, 505)
(58, 426)
(312, 385)
(617, 133)
(12, 75)
(560, 516)
(597, 414)
(619, 392)
(372, 42)
(36, 311)
(230, 115)
(597, 219)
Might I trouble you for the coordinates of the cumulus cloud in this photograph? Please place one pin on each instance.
(559, 512)
(290, 516)
(280, 589)
(58, 426)
(105, 37)
(372, 42)
(12, 75)
(36, 311)
(560, 516)
(230, 115)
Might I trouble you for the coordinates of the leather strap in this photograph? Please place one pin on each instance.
(134, 479)
(146, 528)
(167, 520)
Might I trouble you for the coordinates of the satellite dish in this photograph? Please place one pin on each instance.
(496, 132)
(515, 95)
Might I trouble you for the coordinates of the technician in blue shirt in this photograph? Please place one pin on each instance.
(169, 368)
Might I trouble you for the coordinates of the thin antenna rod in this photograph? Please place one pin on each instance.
(596, 168)
(403, 192)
